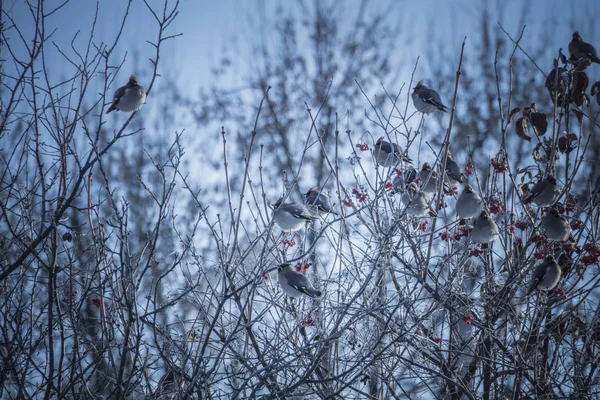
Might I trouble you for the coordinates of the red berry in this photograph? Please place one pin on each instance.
(522, 225)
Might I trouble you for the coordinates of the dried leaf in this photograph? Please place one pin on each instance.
(578, 114)
(596, 91)
(521, 128)
(513, 114)
(580, 84)
(537, 154)
(539, 122)
(566, 143)
(563, 58)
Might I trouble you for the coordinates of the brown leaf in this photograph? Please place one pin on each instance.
(521, 128)
(596, 91)
(513, 114)
(537, 154)
(566, 143)
(578, 114)
(563, 58)
(539, 122)
(580, 84)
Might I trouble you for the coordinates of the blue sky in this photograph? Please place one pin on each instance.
(208, 26)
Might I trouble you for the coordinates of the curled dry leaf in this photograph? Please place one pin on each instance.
(580, 84)
(556, 83)
(563, 58)
(578, 114)
(566, 143)
(522, 130)
(539, 122)
(596, 91)
(513, 114)
(541, 152)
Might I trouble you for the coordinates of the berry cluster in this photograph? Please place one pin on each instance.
(300, 267)
(362, 146)
(361, 195)
(70, 300)
(290, 243)
(469, 168)
(593, 255)
(499, 163)
(496, 206)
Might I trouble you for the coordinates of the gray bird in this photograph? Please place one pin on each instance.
(401, 180)
(291, 216)
(485, 229)
(578, 49)
(454, 172)
(318, 201)
(429, 179)
(544, 193)
(130, 97)
(557, 226)
(427, 100)
(417, 202)
(388, 154)
(295, 284)
(546, 275)
(468, 204)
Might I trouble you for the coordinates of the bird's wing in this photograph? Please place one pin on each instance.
(301, 284)
(431, 97)
(298, 211)
(120, 92)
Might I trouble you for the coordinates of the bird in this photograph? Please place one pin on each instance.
(295, 284)
(388, 154)
(402, 179)
(546, 275)
(417, 202)
(468, 204)
(130, 97)
(544, 193)
(429, 179)
(291, 216)
(318, 201)
(454, 171)
(427, 100)
(578, 49)
(557, 226)
(485, 229)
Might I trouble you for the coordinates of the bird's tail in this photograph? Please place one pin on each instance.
(311, 292)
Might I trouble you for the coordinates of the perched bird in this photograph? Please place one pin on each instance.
(295, 284)
(454, 172)
(427, 100)
(468, 204)
(429, 179)
(557, 226)
(130, 97)
(388, 154)
(318, 201)
(417, 202)
(291, 216)
(545, 276)
(485, 229)
(578, 49)
(401, 180)
(545, 192)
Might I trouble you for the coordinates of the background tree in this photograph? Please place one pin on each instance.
(124, 276)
